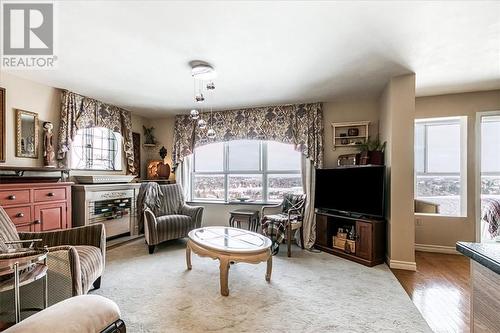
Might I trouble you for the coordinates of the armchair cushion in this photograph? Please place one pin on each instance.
(283, 217)
(173, 226)
(172, 199)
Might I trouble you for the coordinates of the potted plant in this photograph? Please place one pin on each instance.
(372, 152)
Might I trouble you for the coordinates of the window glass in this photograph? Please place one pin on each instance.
(281, 156)
(244, 155)
(209, 157)
(208, 187)
(490, 134)
(443, 148)
(439, 180)
(245, 186)
(96, 148)
(232, 170)
(278, 185)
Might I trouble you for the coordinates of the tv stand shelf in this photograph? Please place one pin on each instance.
(369, 237)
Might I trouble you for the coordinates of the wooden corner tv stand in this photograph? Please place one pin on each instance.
(369, 239)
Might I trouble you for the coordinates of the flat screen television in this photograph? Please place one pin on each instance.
(354, 191)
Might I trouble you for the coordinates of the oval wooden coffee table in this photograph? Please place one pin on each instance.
(229, 245)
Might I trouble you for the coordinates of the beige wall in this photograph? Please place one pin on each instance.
(29, 96)
(443, 230)
(164, 133)
(346, 111)
(397, 114)
(46, 101)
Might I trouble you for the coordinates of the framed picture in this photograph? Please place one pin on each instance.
(2, 124)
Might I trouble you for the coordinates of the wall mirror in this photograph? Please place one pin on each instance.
(27, 128)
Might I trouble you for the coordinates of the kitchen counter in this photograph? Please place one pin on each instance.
(487, 254)
(485, 285)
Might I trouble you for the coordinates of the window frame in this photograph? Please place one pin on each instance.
(263, 171)
(118, 164)
(462, 174)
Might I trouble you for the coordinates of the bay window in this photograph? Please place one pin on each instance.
(260, 171)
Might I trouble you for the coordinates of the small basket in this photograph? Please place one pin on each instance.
(340, 244)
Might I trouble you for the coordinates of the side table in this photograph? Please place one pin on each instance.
(245, 215)
(22, 267)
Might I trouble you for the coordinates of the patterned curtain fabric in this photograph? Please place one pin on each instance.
(83, 112)
(297, 124)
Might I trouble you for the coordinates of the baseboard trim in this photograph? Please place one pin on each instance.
(435, 248)
(406, 265)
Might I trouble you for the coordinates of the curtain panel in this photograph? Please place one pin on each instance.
(297, 124)
(79, 112)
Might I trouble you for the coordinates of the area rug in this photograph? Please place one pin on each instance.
(309, 292)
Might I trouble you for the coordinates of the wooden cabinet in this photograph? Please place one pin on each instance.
(364, 240)
(369, 235)
(37, 206)
(321, 230)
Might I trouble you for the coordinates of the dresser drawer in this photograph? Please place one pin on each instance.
(50, 194)
(19, 215)
(14, 197)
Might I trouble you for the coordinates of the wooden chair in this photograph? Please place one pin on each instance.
(291, 215)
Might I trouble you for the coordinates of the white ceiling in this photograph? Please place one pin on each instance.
(135, 54)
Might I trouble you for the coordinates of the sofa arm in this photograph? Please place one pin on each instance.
(65, 276)
(150, 227)
(94, 235)
(195, 212)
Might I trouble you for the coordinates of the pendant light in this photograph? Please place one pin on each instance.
(203, 75)
(195, 114)
(202, 124)
(211, 132)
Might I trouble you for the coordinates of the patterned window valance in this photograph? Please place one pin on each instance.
(299, 124)
(78, 112)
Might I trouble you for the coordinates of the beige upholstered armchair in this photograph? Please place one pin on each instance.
(75, 260)
(172, 218)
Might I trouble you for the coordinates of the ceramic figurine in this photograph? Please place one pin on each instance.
(149, 137)
(49, 155)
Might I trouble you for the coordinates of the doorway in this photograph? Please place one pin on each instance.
(488, 176)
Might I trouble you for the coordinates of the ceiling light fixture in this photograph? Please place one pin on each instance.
(203, 75)
(203, 71)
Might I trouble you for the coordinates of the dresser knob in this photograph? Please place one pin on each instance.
(51, 194)
(20, 215)
(12, 197)
(37, 222)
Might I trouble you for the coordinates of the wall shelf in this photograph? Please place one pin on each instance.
(341, 137)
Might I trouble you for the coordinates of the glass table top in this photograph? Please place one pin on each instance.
(229, 239)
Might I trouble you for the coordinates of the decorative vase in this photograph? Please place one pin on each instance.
(364, 158)
(163, 170)
(376, 157)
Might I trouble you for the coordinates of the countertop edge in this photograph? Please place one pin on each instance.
(467, 250)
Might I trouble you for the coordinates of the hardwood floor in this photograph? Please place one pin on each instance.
(440, 290)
